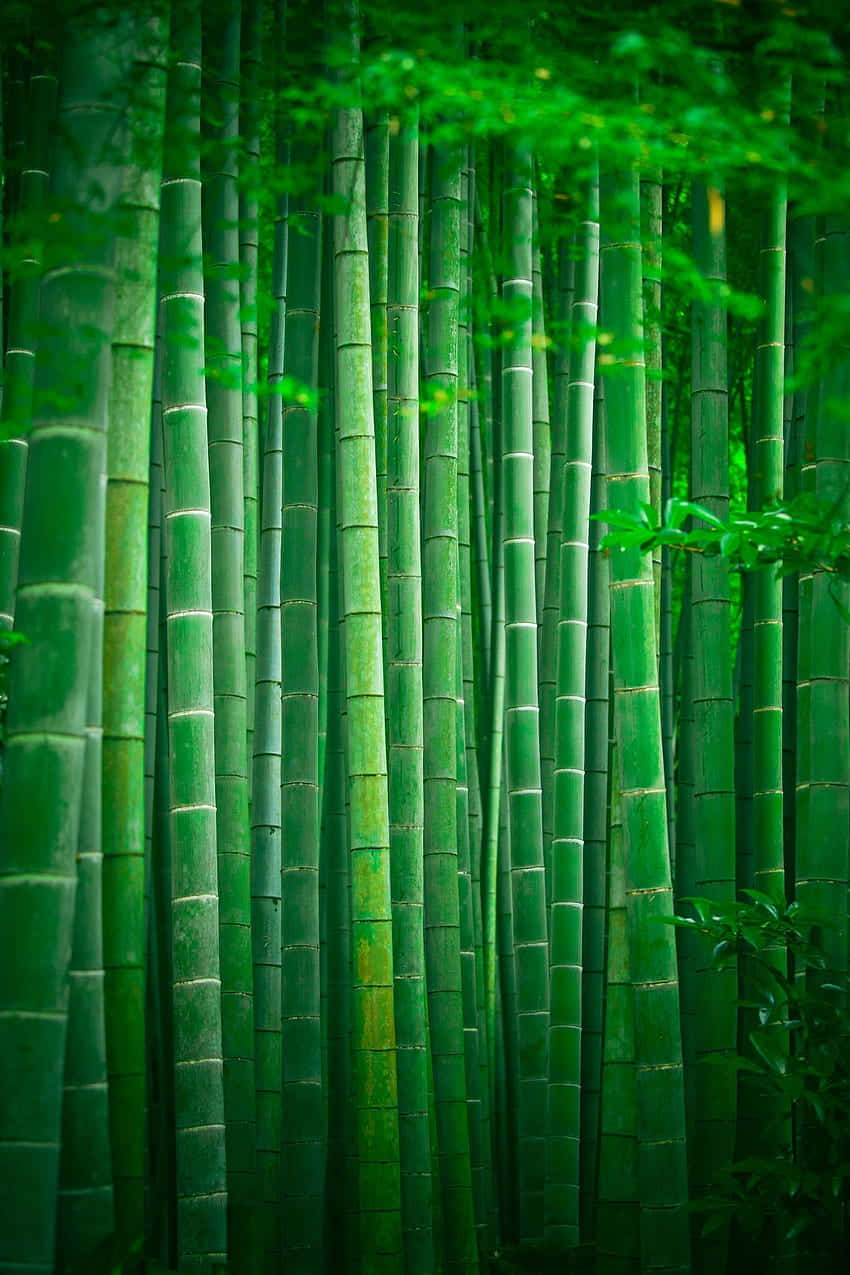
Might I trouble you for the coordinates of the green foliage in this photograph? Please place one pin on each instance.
(800, 1056)
(803, 534)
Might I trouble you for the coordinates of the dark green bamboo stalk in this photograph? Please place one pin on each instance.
(548, 638)
(469, 784)
(768, 456)
(85, 1213)
(266, 803)
(302, 1099)
(596, 785)
(20, 353)
(60, 568)
(198, 1061)
(714, 784)
(541, 430)
(469, 988)
(160, 1036)
(567, 893)
(662, 1170)
(618, 1218)
(823, 859)
(377, 229)
(223, 338)
(373, 1030)
(405, 740)
(651, 191)
(250, 75)
(126, 633)
(494, 805)
(440, 598)
(522, 746)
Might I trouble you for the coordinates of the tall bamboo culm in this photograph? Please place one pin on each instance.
(522, 727)
(373, 1027)
(198, 1060)
(60, 567)
(662, 1172)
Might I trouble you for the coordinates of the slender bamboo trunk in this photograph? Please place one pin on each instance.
(223, 338)
(249, 229)
(660, 1097)
(567, 892)
(618, 1209)
(198, 1059)
(373, 1031)
(541, 429)
(440, 598)
(265, 807)
(377, 228)
(551, 604)
(595, 832)
(303, 1115)
(768, 455)
(714, 787)
(126, 630)
(20, 354)
(522, 737)
(85, 1212)
(823, 861)
(405, 738)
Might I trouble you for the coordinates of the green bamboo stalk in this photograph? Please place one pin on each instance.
(468, 766)
(662, 1170)
(768, 455)
(823, 858)
(651, 206)
(20, 351)
(377, 229)
(714, 787)
(541, 430)
(343, 1185)
(480, 542)
(265, 807)
(326, 534)
(494, 806)
(440, 597)
(301, 1090)
(744, 739)
(469, 989)
(507, 1122)
(250, 110)
(223, 338)
(126, 634)
(596, 786)
(548, 639)
(327, 506)
(373, 1032)
(466, 630)
(85, 1209)
(618, 1211)
(790, 585)
(522, 746)
(687, 944)
(405, 739)
(810, 248)
(198, 1057)
(49, 685)
(666, 672)
(567, 893)
(160, 1036)
(799, 267)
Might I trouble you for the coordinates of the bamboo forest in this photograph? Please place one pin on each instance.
(424, 638)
